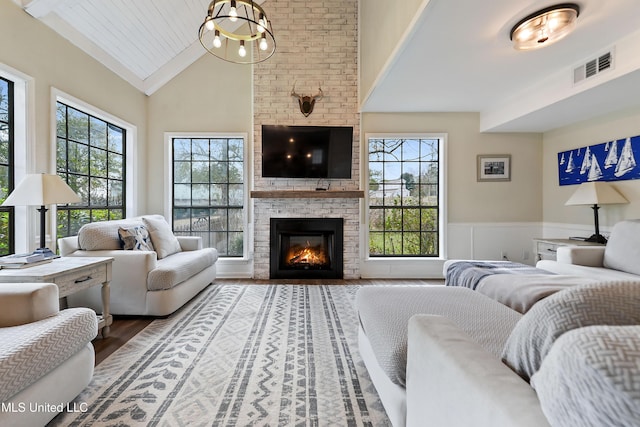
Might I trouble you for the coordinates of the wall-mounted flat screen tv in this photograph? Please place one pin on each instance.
(306, 151)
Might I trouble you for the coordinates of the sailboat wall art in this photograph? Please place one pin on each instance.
(610, 161)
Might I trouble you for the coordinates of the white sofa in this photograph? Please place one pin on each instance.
(618, 260)
(144, 282)
(454, 357)
(46, 355)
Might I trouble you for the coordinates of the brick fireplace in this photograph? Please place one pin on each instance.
(316, 47)
(348, 209)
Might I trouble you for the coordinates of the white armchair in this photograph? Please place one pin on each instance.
(46, 355)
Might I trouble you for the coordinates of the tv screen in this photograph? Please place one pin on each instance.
(306, 151)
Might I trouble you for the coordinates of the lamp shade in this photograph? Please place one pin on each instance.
(39, 190)
(595, 193)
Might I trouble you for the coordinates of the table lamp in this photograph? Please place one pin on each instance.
(39, 190)
(596, 193)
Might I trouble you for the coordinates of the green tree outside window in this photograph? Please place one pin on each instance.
(91, 158)
(403, 197)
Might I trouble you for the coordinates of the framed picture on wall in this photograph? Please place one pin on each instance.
(494, 167)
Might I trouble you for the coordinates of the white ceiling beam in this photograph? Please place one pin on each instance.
(173, 67)
(41, 8)
(65, 30)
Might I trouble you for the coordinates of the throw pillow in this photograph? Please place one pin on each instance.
(135, 238)
(606, 303)
(103, 235)
(589, 378)
(622, 251)
(164, 241)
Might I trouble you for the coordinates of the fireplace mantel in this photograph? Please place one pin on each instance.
(307, 194)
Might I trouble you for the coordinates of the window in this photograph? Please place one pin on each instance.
(91, 158)
(404, 196)
(7, 231)
(208, 191)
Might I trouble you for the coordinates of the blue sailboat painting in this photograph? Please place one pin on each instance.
(610, 161)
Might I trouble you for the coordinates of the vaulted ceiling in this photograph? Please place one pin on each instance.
(457, 56)
(146, 42)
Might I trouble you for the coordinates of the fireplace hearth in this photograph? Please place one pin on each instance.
(306, 248)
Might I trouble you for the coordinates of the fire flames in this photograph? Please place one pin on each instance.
(307, 256)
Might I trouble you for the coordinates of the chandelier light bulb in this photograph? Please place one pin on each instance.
(261, 24)
(242, 51)
(263, 43)
(216, 40)
(210, 24)
(233, 13)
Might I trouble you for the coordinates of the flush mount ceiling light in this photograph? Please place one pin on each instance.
(232, 26)
(545, 26)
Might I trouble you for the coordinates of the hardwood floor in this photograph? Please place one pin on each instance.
(122, 330)
(126, 327)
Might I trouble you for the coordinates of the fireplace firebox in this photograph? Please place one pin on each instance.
(306, 248)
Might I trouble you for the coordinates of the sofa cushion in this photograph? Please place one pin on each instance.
(22, 303)
(606, 303)
(164, 241)
(103, 235)
(28, 352)
(135, 238)
(590, 378)
(385, 311)
(177, 268)
(623, 248)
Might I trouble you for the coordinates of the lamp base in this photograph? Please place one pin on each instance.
(597, 238)
(46, 252)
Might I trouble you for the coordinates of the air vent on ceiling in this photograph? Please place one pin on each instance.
(593, 67)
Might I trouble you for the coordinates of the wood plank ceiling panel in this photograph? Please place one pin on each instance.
(141, 40)
(142, 35)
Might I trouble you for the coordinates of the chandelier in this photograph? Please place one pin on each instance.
(232, 27)
(545, 26)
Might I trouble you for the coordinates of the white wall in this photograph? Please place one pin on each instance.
(50, 61)
(383, 26)
(564, 221)
(211, 96)
(484, 218)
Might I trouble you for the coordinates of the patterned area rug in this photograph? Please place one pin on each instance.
(239, 355)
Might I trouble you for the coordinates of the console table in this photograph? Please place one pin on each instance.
(547, 248)
(71, 275)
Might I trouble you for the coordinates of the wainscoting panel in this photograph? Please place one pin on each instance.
(464, 241)
(495, 241)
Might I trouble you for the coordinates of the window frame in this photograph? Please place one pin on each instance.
(89, 176)
(129, 148)
(25, 219)
(169, 178)
(442, 207)
(10, 210)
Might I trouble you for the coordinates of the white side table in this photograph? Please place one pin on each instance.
(71, 275)
(547, 248)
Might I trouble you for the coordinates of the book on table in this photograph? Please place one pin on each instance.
(22, 260)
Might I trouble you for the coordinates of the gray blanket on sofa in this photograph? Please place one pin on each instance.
(518, 286)
(470, 273)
